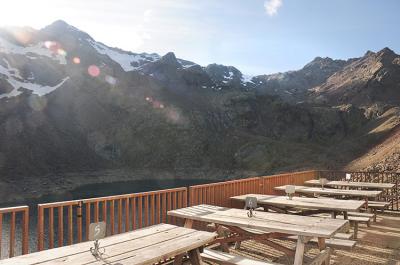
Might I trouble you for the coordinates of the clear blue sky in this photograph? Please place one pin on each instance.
(256, 36)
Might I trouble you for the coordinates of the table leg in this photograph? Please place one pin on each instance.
(298, 257)
(194, 257)
(345, 215)
(188, 223)
(366, 204)
(178, 259)
(333, 215)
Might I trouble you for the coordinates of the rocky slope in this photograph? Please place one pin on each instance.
(70, 104)
(373, 78)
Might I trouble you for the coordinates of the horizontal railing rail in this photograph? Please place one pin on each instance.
(296, 178)
(220, 192)
(14, 213)
(121, 213)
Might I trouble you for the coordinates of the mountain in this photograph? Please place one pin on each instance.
(75, 111)
(293, 86)
(373, 78)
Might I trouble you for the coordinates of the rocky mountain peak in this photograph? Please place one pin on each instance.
(60, 29)
(170, 58)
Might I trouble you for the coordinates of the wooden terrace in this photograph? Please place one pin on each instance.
(341, 224)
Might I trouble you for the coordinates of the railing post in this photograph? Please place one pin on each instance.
(79, 221)
(40, 228)
(25, 232)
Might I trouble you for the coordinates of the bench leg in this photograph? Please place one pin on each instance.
(194, 257)
(374, 211)
(355, 230)
(322, 246)
(221, 233)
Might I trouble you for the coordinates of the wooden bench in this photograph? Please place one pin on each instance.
(376, 205)
(232, 259)
(340, 240)
(354, 220)
(370, 216)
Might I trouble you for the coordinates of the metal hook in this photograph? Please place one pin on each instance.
(250, 213)
(96, 250)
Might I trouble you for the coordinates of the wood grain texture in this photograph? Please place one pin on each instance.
(334, 192)
(145, 246)
(264, 221)
(304, 203)
(353, 184)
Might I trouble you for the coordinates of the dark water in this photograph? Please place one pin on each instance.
(83, 192)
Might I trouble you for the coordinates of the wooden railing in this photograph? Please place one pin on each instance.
(391, 195)
(15, 213)
(296, 178)
(219, 193)
(121, 213)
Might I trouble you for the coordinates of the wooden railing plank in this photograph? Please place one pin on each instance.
(70, 225)
(51, 227)
(12, 235)
(60, 226)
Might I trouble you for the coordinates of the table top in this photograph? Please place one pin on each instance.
(325, 191)
(355, 184)
(264, 221)
(304, 203)
(145, 246)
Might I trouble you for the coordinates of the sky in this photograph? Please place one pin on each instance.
(256, 36)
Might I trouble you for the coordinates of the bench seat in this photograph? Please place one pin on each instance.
(369, 215)
(343, 236)
(376, 205)
(231, 259)
(332, 242)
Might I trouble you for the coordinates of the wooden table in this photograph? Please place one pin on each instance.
(352, 184)
(275, 225)
(145, 246)
(365, 194)
(283, 203)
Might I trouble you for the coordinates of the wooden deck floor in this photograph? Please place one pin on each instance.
(378, 244)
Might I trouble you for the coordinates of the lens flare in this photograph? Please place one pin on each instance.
(52, 46)
(61, 52)
(93, 70)
(76, 60)
(111, 80)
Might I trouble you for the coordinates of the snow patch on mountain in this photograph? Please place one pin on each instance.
(31, 51)
(16, 81)
(247, 79)
(128, 61)
(229, 76)
(186, 64)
